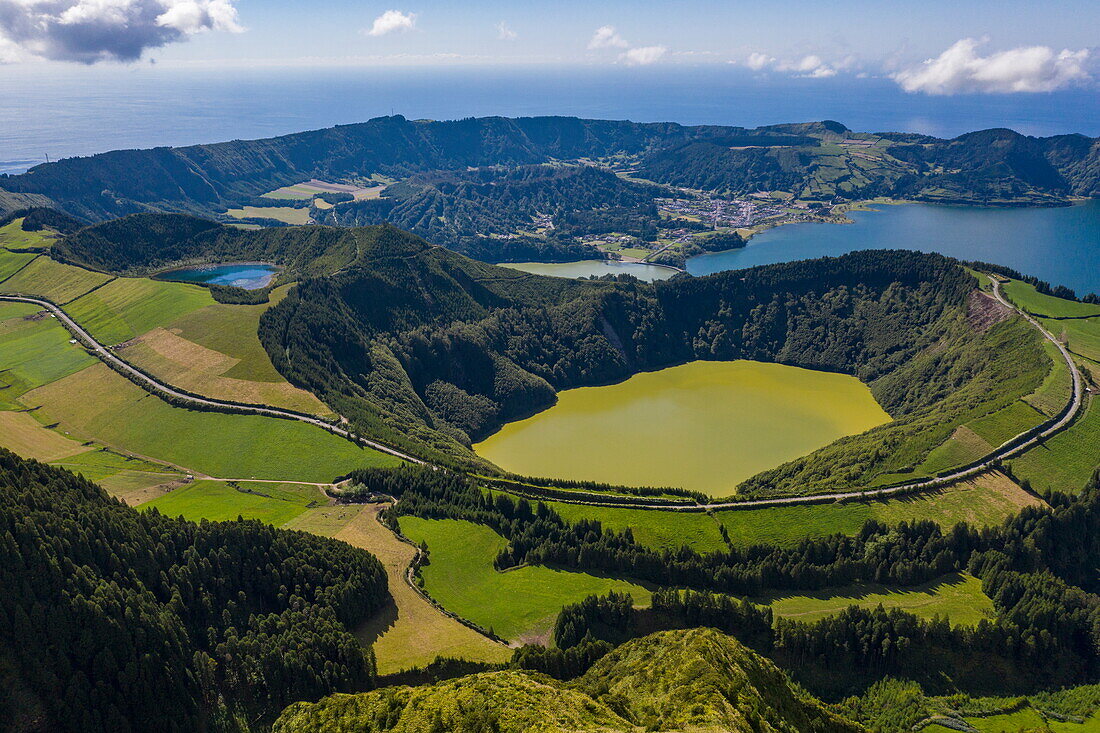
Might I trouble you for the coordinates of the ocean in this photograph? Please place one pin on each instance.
(80, 111)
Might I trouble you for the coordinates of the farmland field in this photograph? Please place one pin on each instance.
(1066, 460)
(53, 280)
(21, 433)
(12, 262)
(411, 632)
(12, 236)
(460, 575)
(286, 214)
(271, 503)
(128, 307)
(1032, 301)
(98, 404)
(984, 501)
(1082, 336)
(655, 529)
(958, 597)
(34, 351)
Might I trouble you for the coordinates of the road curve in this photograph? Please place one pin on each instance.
(156, 387)
(1009, 448)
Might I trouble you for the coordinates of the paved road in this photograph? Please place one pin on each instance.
(157, 387)
(1009, 448)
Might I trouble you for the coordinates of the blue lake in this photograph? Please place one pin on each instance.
(247, 276)
(1060, 245)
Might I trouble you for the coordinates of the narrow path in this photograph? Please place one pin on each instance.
(1009, 448)
(154, 386)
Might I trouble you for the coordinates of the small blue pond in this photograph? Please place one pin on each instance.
(248, 276)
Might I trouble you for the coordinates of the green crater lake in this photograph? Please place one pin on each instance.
(705, 425)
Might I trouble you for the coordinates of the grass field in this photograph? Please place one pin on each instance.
(53, 280)
(286, 214)
(1009, 422)
(1081, 336)
(962, 447)
(1065, 461)
(21, 433)
(33, 351)
(461, 576)
(1029, 299)
(411, 632)
(231, 330)
(128, 307)
(1026, 720)
(1053, 394)
(657, 529)
(958, 597)
(272, 503)
(12, 262)
(12, 236)
(985, 501)
(98, 404)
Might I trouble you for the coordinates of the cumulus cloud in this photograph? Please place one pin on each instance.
(960, 70)
(88, 31)
(643, 55)
(392, 21)
(607, 37)
(759, 61)
(505, 33)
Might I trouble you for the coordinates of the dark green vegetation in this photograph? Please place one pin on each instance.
(115, 620)
(992, 165)
(701, 681)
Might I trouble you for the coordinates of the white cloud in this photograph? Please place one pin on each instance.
(392, 21)
(607, 37)
(960, 70)
(643, 55)
(505, 33)
(88, 31)
(759, 61)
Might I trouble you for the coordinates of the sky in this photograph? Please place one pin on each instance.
(932, 47)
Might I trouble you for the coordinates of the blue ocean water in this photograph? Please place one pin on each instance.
(247, 276)
(80, 111)
(1060, 245)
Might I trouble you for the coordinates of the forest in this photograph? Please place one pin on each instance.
(111, 619)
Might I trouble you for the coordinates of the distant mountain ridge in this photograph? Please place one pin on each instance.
(818, 159)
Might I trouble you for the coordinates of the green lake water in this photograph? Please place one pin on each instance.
(704, 425)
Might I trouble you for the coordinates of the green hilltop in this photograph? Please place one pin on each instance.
(699, 680)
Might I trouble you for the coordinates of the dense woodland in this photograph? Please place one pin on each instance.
(116, 620)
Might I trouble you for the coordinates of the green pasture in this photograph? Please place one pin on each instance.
(1081, 335)
(1053, 394)
(98, 404)
(1066, 460)
(517, 604)
(34, 352)
(232, 330)
(272, 503)
(1006, 423)
(12, 262)
(1031, 300)
(53, 280)
(129, 307)
(12, 236)
(657, 529)
(958, 597)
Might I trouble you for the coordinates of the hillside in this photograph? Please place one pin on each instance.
(700, 680)
(814, 161)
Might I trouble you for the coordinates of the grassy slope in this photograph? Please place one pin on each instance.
(34, 352)
(97, 403)
(128, 307)
(1066, 460)
(12, 262)
(274, 504)
(1027, 297)
(460, 575)
(653, 528)
(1081, 335)
(12, 236)
(55, 281)
(958, 597)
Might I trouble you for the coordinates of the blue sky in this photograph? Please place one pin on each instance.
(970, 46)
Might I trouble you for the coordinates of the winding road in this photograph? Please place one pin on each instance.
(1009, 448)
